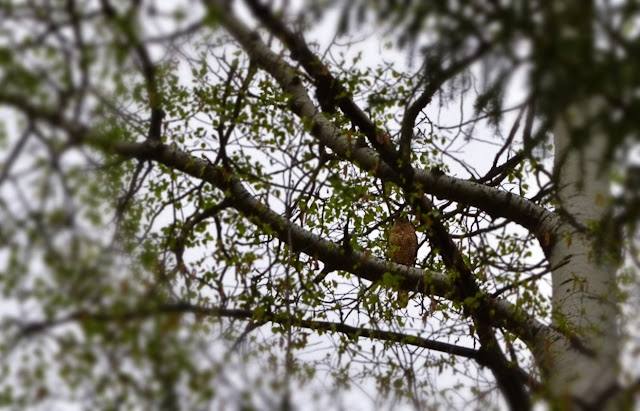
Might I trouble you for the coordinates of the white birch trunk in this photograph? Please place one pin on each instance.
(584, 290)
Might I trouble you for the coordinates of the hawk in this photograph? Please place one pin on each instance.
(403, 242)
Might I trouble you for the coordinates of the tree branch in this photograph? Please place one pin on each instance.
(326, 84)
(30, 328)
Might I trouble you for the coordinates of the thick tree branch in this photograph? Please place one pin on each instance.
(300, 240)
(326, 84)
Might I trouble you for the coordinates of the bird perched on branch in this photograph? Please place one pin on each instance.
(403, 249)
(403, 242)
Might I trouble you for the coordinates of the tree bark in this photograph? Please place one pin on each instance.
(581, 376)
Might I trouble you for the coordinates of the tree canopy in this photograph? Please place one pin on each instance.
(197, 202)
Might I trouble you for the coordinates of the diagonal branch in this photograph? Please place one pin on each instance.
(300, 240)
(326, 84)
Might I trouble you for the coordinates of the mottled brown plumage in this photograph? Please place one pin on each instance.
(403, 242)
